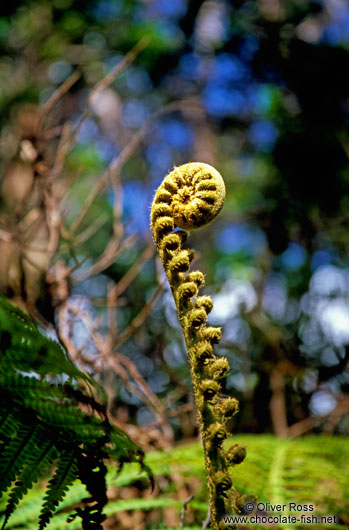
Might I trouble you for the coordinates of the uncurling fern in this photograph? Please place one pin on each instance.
(189, 198)
(42, 424)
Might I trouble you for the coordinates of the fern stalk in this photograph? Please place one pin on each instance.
(189, 198)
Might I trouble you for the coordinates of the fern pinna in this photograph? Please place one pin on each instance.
(42, 424)
(188, 198)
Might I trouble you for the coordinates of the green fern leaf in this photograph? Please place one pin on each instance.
(70, 420)
(41, 393)
(24, 348)
(16, 454)
(9, 424)
(30, 389)
(33, 470)
(64, 476)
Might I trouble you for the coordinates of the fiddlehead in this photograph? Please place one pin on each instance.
(189, 198)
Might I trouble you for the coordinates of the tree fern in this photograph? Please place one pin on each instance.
(189, 198)
(41, 423)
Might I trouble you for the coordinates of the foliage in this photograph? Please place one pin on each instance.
(280, 471)
(42, 423)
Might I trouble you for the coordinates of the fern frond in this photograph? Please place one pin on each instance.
(70, 419)
(29, 389)
(33, 470)
(314, 470)
(122, 447)
(24, 348)
(189, 198)
(63, 477)
(41, 421)
(16, 453)
(8, 426)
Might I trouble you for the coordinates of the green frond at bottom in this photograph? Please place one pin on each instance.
(33, 470)
(64, 476)
(311, 470)
(16, 453)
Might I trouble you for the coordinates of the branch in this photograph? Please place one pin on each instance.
(110, 78)
(57, 95)
(139, 319)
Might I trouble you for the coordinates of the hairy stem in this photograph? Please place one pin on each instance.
(188, 198)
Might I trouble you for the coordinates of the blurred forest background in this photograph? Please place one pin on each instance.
(98, 101)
